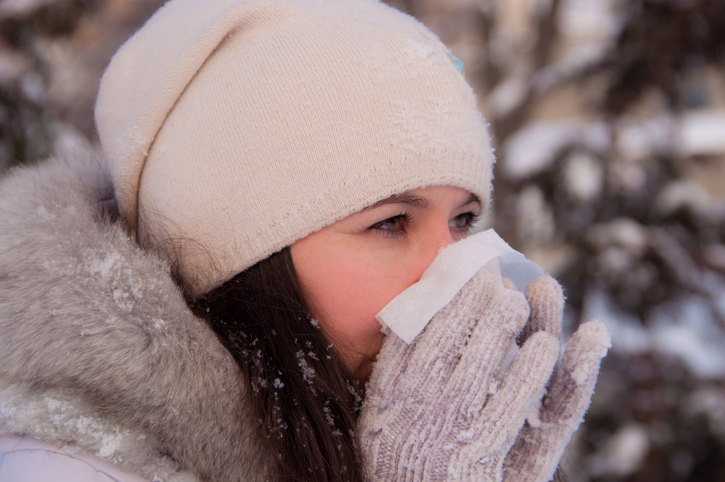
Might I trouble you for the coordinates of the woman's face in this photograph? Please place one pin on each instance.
(351, 269)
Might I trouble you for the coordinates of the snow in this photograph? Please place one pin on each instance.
(466, 436)
(701, 133)
(506, 96)
(709, 401)
(507, 360)
(43, 213)
(417, 50)
(533, 417)
(17, 8)
(690, 346)
(624, 452)
(109, 443)
(579, 374)
(694, 133)
(532, 149)
(587, 19)
(535, 220)
(104, 266)
(639, 139)
(621, 232)
(33, 88)
(714, 285)
(328, 414)
(628, 335)
(60, 417)
(577, 58)
(688, 331)
(584, 176)
(308, 373)
(681, 194)
(683, 329)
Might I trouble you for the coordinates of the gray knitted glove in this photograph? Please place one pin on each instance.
(434, 409)
(542, 440)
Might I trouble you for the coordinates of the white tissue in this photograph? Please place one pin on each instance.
(411, 310)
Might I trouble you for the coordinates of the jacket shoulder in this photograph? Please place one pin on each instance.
(85, 311)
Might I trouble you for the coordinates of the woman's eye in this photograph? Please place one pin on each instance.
(462, 221)
(391, 224)
(392, 227)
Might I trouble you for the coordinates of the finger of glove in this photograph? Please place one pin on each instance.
(572, 387)
(546, 300)
(521, 388)
(489, 343)
(422, 367)
(386, 368)
(537, 451)
(508, 284)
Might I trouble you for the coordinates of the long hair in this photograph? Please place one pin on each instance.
(305, 398)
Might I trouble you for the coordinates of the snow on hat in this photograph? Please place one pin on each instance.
(233, 128)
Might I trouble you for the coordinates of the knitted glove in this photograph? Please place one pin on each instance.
(434, 410)
(541, 442)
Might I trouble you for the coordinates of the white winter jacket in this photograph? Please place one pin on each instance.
(25, 459)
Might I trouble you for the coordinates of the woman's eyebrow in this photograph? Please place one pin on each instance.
(472, 199)
(415, 201)
(405, 198)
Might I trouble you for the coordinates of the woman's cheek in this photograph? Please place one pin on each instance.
(349, 280)
(363, 287)
(359, 289)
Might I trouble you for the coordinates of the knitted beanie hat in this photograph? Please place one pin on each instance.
(233, 128)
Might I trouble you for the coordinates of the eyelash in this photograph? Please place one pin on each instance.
(406, 217)
(471, 219)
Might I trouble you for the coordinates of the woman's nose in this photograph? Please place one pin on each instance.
(431, 247)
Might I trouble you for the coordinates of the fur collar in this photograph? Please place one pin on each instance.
(92, 326)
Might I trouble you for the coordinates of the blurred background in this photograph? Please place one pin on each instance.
(608, 118)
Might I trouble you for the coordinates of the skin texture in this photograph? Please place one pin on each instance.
(351, 269)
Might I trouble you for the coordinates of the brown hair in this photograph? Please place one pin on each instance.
(304, 396)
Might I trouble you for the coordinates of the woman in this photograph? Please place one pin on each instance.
(198, 301)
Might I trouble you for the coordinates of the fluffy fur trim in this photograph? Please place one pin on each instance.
(92, 323)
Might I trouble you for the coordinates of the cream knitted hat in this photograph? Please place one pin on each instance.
(233, 128)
